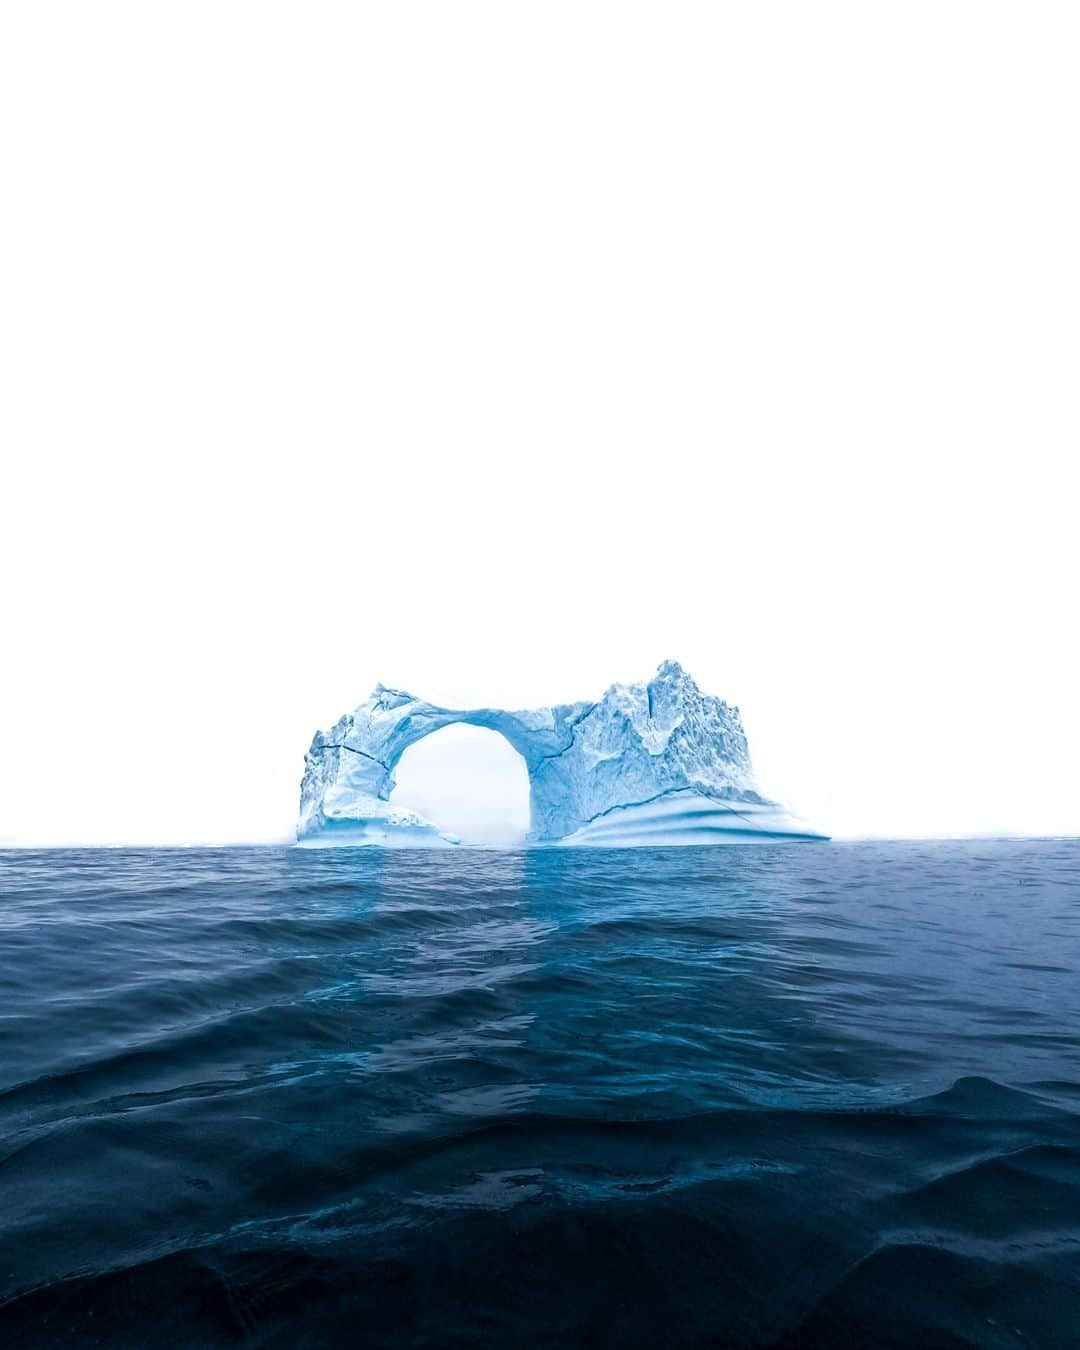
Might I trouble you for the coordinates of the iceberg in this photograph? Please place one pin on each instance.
(655, 763)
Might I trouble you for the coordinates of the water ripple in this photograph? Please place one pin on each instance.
(765, 1096)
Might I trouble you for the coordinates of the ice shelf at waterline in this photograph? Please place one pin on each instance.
(649, 764)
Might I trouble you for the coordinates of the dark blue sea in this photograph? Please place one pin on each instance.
(799, 1096)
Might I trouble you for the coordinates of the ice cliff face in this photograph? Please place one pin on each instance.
(655, 763)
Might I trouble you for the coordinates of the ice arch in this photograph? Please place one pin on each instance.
(652, 763)
(345, 796)
(470, 782)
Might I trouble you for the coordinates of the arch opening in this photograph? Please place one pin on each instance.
(469, 781)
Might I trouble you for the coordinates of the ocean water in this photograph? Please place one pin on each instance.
(820, 1095)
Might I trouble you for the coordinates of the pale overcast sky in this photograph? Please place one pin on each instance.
(501, 351)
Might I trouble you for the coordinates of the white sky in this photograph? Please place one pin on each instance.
(469, 781)
(501, 351)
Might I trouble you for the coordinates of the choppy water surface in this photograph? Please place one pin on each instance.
(794, 1095)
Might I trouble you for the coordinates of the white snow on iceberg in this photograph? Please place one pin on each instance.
(650, 764)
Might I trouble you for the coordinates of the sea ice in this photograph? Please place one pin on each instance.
(648, 764)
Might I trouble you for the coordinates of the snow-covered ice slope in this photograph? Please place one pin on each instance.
(649, 764)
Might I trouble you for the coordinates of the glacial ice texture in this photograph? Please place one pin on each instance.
(655, 763)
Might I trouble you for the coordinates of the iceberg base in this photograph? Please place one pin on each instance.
(688, 817)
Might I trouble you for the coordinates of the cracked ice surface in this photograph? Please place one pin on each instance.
(648, 764)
